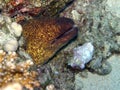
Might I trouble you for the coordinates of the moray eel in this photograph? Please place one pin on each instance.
(44, 37)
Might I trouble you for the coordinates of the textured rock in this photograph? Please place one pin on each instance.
(114, 7)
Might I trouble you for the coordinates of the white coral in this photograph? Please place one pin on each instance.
(9, 33)
(17, 28)
(82, 55)
(11, 45)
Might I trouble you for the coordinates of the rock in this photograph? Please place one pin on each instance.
(104, 69)
(114, 7)
(82, 55)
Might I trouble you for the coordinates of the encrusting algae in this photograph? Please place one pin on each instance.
(45, 37)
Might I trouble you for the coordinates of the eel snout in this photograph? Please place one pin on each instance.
(44, 37)
(67, 31)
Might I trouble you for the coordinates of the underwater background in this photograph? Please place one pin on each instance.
(59, 44)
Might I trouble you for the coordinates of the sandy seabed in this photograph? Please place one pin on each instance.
(108, 82)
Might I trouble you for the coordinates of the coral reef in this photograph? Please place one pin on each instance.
(44, 37)
(13, 67)
(57, 73)
(49, 36)
(26, 9)
(97, 25)
(15, 64)
(9, 33)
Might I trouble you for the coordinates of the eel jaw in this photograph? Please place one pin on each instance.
(65, 37)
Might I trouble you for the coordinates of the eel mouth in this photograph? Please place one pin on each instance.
(66, 36)
(68, 30)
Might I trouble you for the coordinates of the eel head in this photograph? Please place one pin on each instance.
(44, 37)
